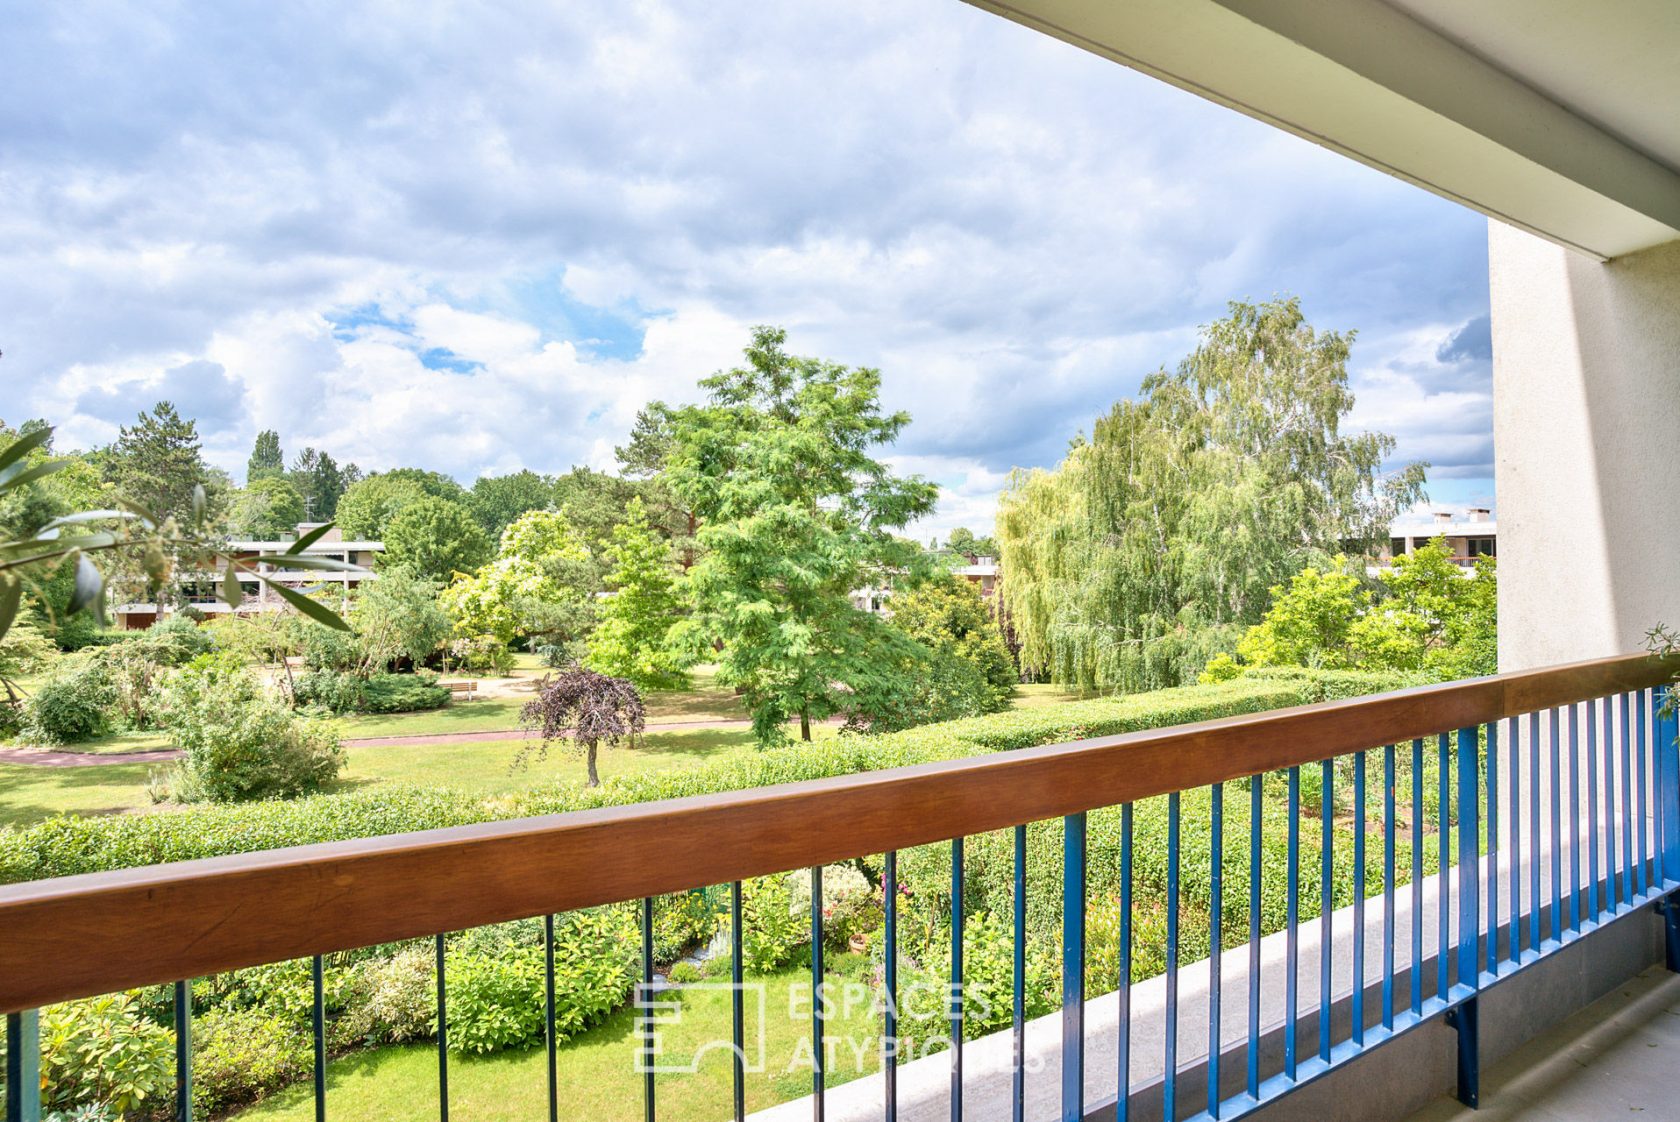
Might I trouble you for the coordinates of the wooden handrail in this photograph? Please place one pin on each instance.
(78, 936)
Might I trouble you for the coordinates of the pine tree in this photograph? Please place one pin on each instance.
(317, 477)
(267, 460)
(158, 462)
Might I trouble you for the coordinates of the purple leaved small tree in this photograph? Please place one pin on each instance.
(587, 708)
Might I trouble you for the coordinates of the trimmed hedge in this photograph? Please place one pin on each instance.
(69, 845)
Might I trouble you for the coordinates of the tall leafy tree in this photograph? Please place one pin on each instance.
(268, 508)
(367, 506)
(317, 477)
(266, 457)
(436, 539)
(947, 614)
(157, 462)
(1155, 542)
(632, 639)
(535, 586)
(643, 459)
(498, 499)
(794, 513)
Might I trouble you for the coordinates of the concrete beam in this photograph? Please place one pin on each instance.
(1365, 79)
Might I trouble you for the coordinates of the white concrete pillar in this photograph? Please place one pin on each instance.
(1586, 390)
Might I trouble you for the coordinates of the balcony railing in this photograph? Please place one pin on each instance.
(1556, 809)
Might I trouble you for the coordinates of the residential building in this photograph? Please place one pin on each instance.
(1475, 534)
(202, 591)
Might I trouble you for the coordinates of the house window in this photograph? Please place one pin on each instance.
(1481, 547)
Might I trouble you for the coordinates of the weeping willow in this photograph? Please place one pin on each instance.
(1156, 542)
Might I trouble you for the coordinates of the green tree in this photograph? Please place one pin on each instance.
(157, 462)
(1156, 542)
(320, 481)
(368, 506)
(436, 538)
(643, 459)
(267, 508)
(498, 499)
(794, 514)
(1311, 622)
(947, 614)
(266, 458)
(397, 617)
(633, 638)
(962, 540)
(525, 591)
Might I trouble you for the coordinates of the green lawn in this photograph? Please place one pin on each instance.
(29, 793)
(486, 768)
(597, 1076)
(1039, 694)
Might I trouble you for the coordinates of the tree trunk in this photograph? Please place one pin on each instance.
(804, 724)
(594, 778)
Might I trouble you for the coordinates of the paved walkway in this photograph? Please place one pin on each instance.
(35, 757)
(1615, 1059)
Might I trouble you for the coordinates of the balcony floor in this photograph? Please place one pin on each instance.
(1615, 1058)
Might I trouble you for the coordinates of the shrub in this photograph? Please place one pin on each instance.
(771, 931)
(240, 741)
(398, 998)
(403, 693)
(239, 1055)
(480, 654)
(684, 974)
(102, 1051)
(682, 921)
(178, 640)
(337, 691)
(73, 705)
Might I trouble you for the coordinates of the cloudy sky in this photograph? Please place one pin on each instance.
(477, 237)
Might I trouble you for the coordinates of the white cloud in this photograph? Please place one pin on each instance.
(479, 238)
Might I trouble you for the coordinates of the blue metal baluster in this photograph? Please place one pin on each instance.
(1534, 832)
(1443, 897)
(1292, 921)
(737, 999)
(1326, 897)
(647, 1010)
(1666, 764)
(1359, 898)
(1592, 809)
(1388, 887)
(1640, 701)
(1123, 1104)
(1469, 841)
(1256, 784)
(1492, 848)
(442, 1032)
(1612, 888)
(23, 1066)
(1575, 855)
(318, 1029)
(1556, 742)
(1513, 740)
(1169, 1072)
(1073, 968)
(818, 1060)
(1417, 876)
(889, 890)
(1627, 799)
(552, 1045)
(1018, 971)
(956, 979)
(1216, 907)
(183, 1051)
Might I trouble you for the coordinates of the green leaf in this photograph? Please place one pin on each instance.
(83, 518)
(231, 592)
(11, 595)
(17, 475)
(89, 584)
(310, 538)
(320, 613)
(198, 504)
(145, 515)
(22, 446)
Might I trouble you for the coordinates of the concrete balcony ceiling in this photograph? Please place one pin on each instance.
(1558, 116)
